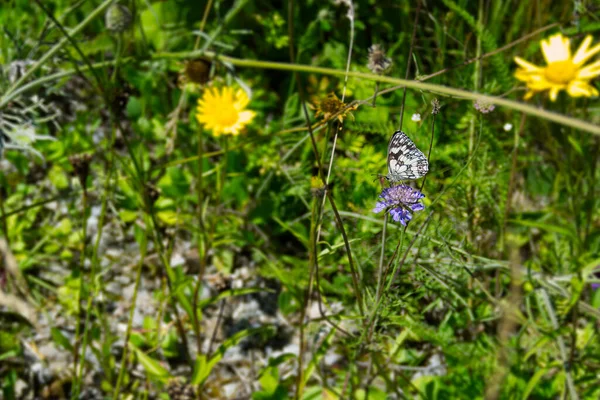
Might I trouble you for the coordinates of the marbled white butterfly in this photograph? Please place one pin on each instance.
(405, 161)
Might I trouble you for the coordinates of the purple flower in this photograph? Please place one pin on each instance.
(401, 201)
(596, 274)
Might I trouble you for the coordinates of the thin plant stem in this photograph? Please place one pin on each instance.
(561, 345)
(138, 279)
(79, 272)
(201, 247)
(429, 151)
(408, 61)
(203, 22)
(312, 269)
(381, 257)
(385, 218)
(492, 53)
(4, 216)
(338, 219)
(400, 83)
(339, 125)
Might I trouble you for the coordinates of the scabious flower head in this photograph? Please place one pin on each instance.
(378, 62)
(416, 117)
(563, 71)
(596, 274)
(223, 111)
(401, 201)
(484, 107)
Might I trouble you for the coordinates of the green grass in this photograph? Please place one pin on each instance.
(142, 253)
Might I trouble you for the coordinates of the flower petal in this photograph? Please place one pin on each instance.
(556, 48)
(554, 93)
(583, 54)
(589, 71)
(379, 207)
(579, 89)
(245, 117)
(242, 100)
(417, 207)
(526, 65)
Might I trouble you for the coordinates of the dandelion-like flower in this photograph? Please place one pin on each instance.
(416, 117)
(378, 62)
(484, 107)
(563, 71)
(401, 201)
(224, 111)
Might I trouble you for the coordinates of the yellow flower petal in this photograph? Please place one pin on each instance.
(579, 88)
(553, 93)
(590, 71)
(526, 65)
(583, 54)
(557, 48)
(242, 99)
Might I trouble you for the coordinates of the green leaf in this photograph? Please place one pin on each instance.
(60, 339)
(533, 382)
(152, 366)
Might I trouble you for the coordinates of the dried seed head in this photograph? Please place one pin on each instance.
(435, 106)
(81, 166)
(484, 107)
(197, 71)
(118, 18)
(331, 106)
(378, 62)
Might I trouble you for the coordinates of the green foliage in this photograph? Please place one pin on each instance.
(227, 263)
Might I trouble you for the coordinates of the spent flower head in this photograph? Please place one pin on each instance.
(117, 18)
(331, 106)
(484, 107)
(378, 62)
(401, 201)
(223, 111)
(563, 71)
(435, 106)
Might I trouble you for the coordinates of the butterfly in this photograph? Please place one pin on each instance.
(405, 161)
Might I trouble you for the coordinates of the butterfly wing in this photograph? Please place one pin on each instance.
(405, 161)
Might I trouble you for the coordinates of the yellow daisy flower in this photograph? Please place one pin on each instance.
(563, 71)
(223, 111)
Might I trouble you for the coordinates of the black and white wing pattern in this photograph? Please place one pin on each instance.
(405, 161)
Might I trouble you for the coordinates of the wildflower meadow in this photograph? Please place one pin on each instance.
(338, 199)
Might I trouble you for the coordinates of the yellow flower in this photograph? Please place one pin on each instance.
(563, 71)
(223, 111)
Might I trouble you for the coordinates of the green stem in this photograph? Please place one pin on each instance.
(138, 278)
(439, 89)
(79, 273)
